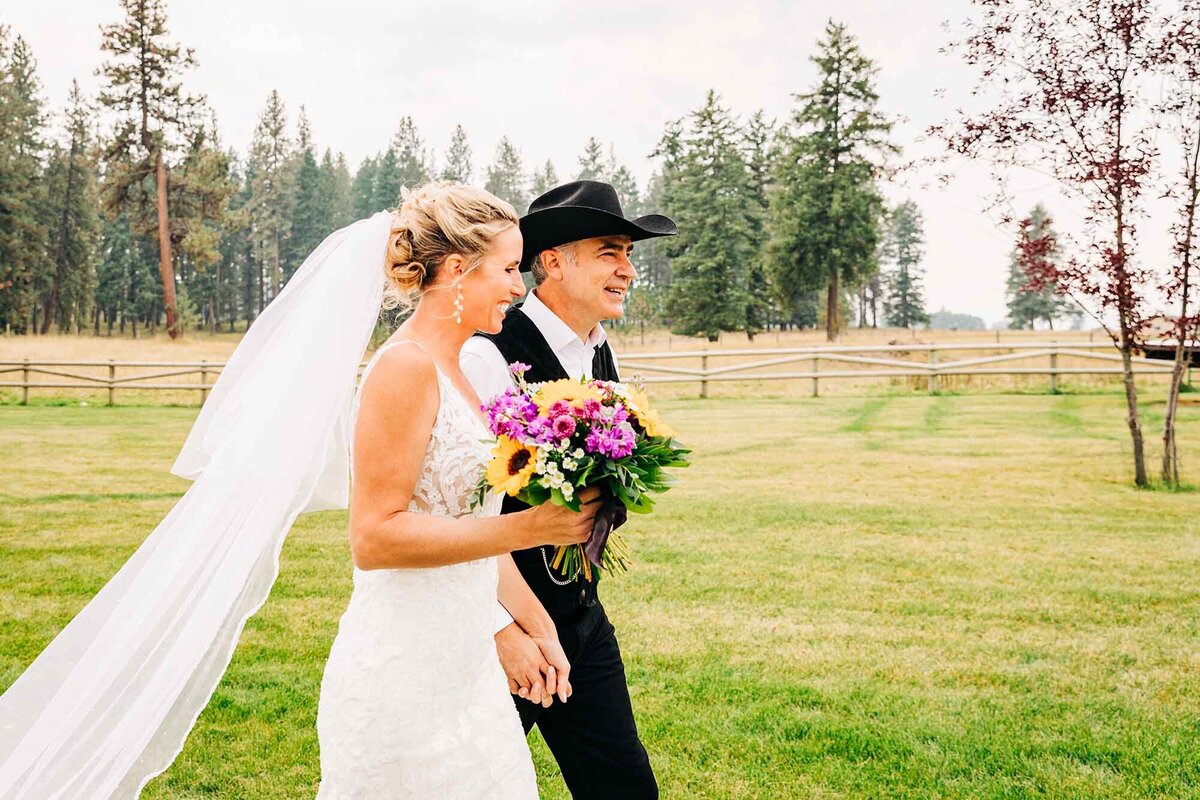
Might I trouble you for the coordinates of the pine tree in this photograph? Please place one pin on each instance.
(544, 180)
(1028, 305)
(626, 185)
(592, 164)
(73, 222)
(25, 268)
(273, 194)
(506, 176)
(389, 180)
(825, 209)
(710, 195)
(143, 87)
(458, 158)
(412, 159)
(201, 188)
(338, 182)
(362, 191)
(756, 144)
(312, 212)
(904, 305)
(650, 256)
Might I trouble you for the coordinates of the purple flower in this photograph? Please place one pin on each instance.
(615, 442)
(510, 413)
(518, 368)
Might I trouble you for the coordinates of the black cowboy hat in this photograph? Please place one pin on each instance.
(583, 210)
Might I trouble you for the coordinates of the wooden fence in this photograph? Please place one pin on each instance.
(817, 364)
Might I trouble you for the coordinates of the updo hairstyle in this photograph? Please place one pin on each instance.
(434, 221)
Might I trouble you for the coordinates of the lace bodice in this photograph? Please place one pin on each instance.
(459, 448)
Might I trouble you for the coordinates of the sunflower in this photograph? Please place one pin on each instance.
(647, 417)
(512, 466)
(567, 390)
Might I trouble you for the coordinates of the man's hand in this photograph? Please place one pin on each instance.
(525, 666)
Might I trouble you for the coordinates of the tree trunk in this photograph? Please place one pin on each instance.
(1132, 417)
(1170, 459)
(164, 246)
(831, 308)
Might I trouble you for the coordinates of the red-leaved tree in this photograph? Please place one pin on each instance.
(1179, 59)
(1066, 85)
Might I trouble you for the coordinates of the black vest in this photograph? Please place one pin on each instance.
(520, 340)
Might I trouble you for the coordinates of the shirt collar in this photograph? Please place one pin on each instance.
(558, 334)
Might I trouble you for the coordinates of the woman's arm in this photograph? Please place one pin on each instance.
(396, 414)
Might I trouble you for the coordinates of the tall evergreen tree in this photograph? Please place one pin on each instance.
(710, 195)
(412, 158)
(273, 194)
(25, 269)
(312, 211)
(389, 180)
(593, 166)
(625, 183)
(338, 182)
(756, 142)
(362, 191)
(506, 176)
(904, 304)
(1028, 305)
(544, 180)
(824, 217)
(73, 222)
(650, 257)
(458, 167)
(143, 86)
(201, 188)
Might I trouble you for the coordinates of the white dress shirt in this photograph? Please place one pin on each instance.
(488, 372)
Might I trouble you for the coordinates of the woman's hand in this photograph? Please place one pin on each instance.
(550, 523)
(556, 658)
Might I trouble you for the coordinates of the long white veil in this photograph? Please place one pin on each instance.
(108, 704)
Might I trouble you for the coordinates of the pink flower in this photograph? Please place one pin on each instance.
(564, 426)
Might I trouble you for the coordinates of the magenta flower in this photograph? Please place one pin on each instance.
(519, 368)
(564, 426)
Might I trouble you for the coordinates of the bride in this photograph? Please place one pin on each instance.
(414, 703)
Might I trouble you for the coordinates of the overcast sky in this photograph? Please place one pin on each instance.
(549, 75)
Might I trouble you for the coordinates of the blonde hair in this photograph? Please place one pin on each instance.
(433, 222)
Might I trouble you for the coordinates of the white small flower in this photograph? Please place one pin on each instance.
(568, 491)
(578, 452)
(569, 464)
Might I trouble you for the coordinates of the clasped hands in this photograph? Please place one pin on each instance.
(536, 667)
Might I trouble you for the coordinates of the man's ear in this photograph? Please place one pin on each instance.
(553, 263)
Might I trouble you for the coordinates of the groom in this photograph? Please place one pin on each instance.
(577, 245)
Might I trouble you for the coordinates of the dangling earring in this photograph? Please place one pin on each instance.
(458, 303)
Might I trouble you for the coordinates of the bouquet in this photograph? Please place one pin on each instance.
(559, 437)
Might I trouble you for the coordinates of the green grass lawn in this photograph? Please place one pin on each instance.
(873, 597)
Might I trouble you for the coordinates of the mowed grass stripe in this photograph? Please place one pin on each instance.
(960, 597)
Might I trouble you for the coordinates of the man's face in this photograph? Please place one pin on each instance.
(598, 280)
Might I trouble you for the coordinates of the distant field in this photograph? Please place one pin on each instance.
(953, 597)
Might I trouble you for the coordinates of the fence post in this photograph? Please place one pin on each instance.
(203, 380)
(816, 368)
(25, 381)
(704, 373)
(933, 376)
(112, 376)
(1053, 367)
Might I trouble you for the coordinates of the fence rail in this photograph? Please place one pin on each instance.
(868, 361)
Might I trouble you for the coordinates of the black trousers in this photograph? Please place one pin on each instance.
(593, 736)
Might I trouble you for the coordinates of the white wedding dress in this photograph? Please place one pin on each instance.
(414, 703)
